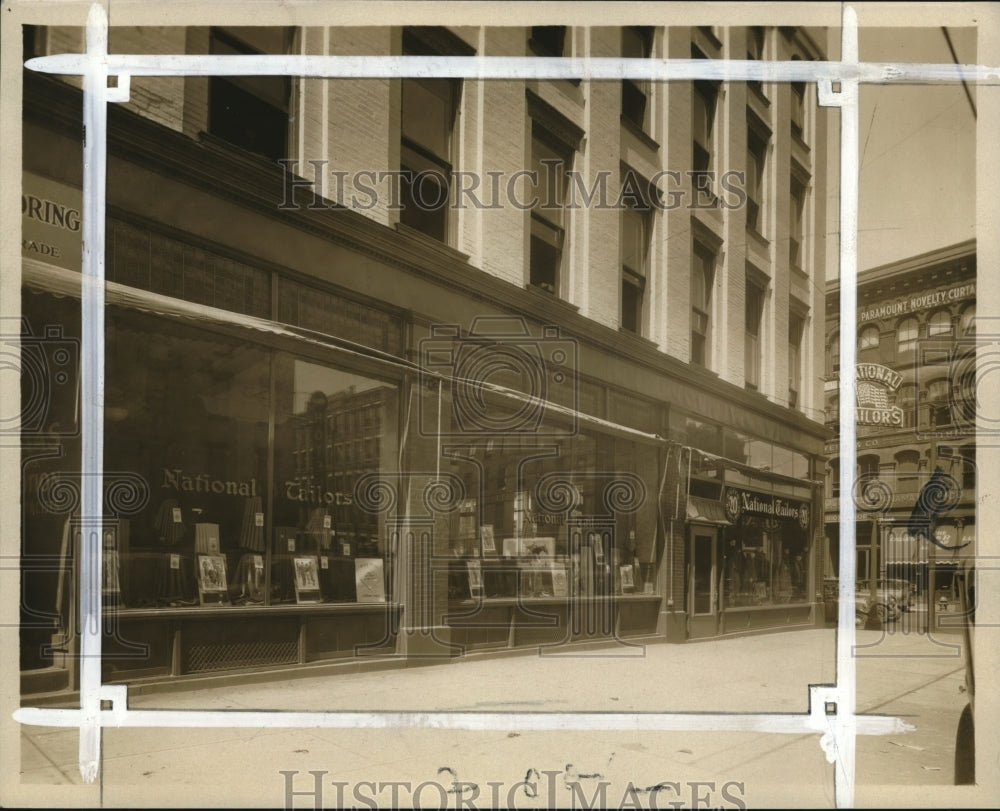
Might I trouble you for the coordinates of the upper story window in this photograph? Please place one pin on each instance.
(756, 172)
(797, 119)
(967, 321)
(704, 100)
(549, 162)
(548, 40)
(868, 339)
(755, 50)
(834, 365)
(250, 112)
(637, 43)
(939, 402)
(636, 222)
(702, 281)
(427, 125)
(796, 330)
(939, 324)
(796, 231)
(753, 317)
(906, 399)
(907, 471)
(554, 140)
(906, 335)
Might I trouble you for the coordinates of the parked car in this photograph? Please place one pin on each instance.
(879, 605)
(903, 591)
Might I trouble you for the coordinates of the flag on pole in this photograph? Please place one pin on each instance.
(940, 493)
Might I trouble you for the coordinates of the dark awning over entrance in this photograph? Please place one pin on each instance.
(706, 511)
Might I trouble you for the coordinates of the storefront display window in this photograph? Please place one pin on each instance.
(564, 518)
(229, 471)
(766, 549)
(331, 428)
(187, 410)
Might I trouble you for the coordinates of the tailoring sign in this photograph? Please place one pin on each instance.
(873, 383)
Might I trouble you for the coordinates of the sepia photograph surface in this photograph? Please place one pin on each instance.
(360, 329)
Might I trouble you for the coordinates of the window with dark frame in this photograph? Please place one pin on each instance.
(704, 98)
(702, 280)
(427, 124)
(755, 51)
(636, 222)
(550, 160)
(250, 112)
(548, 40)
(637, 43)
(939, 324)
(756, 161)
(796, 330)
(906, 335)
(939, 402)
(834, 355)
(797, 119)
(868, 338)
(753, 316)
(796, 254)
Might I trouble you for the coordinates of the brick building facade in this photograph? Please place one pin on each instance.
(637, 322)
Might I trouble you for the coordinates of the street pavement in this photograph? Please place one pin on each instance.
(910, 676)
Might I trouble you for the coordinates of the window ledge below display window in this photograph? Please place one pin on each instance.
(570, 598)
(801, 603)
(644, 137)
(247, 609)
(434, 244)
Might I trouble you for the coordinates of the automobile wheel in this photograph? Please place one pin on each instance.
(965, 749)
(860, 620)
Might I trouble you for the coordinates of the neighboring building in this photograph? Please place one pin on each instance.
(284, 389)
(915, 414)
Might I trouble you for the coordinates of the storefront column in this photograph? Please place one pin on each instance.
(428, 496)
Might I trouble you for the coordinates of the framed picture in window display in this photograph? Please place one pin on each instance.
(560, 581)
(307, 588)
(475, 578)
(488, 541)
(627, 579)
(111, 589)
(213, 587)
(369, 580)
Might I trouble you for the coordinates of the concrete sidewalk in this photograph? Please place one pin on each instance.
(905, 675)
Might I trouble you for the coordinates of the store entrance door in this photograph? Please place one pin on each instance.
(703, 577)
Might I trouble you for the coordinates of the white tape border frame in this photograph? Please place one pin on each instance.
(839, 728)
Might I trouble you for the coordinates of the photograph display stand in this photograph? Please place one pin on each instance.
(369, 580)
(560, 583)
(475, 578)
(213, 588)
(488, 541)
(307, 588)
